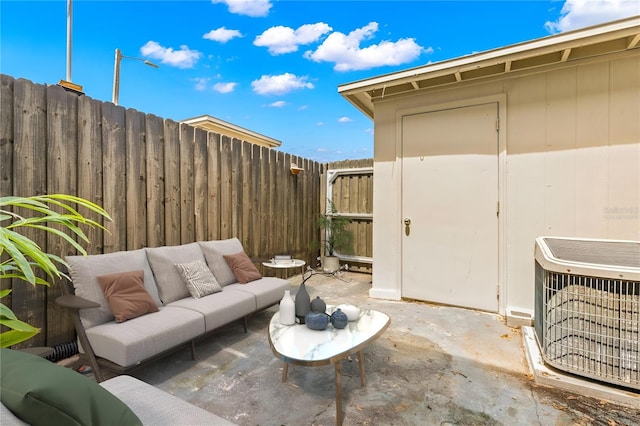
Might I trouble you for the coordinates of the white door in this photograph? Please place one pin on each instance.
(450, 196)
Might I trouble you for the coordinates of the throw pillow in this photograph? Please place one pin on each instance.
(40, 392)
(126, 295)
(242, 267)
(198, 278)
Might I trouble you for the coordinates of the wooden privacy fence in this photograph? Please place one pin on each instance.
(349, 185)
(162, 182)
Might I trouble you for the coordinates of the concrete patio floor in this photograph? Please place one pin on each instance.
(434, 365)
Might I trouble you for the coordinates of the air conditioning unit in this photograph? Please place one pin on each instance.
(587, 307)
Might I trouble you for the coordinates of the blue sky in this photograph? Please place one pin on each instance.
(271, 66)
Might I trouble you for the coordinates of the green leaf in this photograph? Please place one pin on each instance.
(13, 337)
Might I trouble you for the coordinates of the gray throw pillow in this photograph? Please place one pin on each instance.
(198, 278)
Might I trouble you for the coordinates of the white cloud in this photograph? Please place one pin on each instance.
(222, 35)
(224, 87)
(278, 104)
(583, 13)
(344, 120)
(281, 39)
(201, 83)
(302, 107)
(279, 84)
(253, 8)
(320, 123)
(347, 54)
(183, 58)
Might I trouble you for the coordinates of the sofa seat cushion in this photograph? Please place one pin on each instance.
(156, 407)
(267, 290)
(140, 338)
(214, 252)
(219, 308)
(84, 272)
(41, 392)
(171, 285)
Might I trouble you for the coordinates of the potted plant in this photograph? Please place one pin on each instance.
(21, 256)
(337, 237)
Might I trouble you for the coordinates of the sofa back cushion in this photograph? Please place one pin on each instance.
(214, 252)
(84, 272)
(163, 260)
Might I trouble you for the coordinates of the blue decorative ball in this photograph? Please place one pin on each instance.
(339, 319)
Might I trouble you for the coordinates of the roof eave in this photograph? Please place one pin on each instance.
(536, 53)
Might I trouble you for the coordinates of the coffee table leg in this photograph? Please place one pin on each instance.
(363, 378)
(285, 370)
(338, 393)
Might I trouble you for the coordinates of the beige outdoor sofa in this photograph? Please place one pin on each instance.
(180, 318)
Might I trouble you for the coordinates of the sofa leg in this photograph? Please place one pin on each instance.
(245, 322)
(193, 350)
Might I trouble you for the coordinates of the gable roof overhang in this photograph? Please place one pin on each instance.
(561, 48)
(214, 124)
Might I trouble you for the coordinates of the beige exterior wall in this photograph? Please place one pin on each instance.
(570, 166)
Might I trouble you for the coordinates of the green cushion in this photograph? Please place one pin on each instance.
(40, 392)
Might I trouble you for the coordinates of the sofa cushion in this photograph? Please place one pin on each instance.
(267, 290)
(84, 273)
(214, 251)
(220, 308)
(126, 294)
(133, 341)
(198, 278)
(162, 260)
(41, 392)
(156, 407)
(243, 268)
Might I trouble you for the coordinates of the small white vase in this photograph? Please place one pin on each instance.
(287, 309)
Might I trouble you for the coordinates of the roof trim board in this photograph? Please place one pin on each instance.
(598, 40)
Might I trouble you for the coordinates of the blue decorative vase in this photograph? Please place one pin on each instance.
(317, 320)
(339, 319)
(303, 303)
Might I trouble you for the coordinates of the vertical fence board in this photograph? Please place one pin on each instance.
(30, 155)
(6, 135)
(271, 204)
(89, 168)
(246, 205)
(200, 182)
(255, 195)
(114, 175)
(172, 182)
(187, 229)
(236, 190)
(154, 128)
(226, 182)
(6, 152)
(136, 179)
(213, 179)
(62, 134)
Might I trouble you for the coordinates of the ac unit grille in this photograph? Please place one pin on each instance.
(589, 325)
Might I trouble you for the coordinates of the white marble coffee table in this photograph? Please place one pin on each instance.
(297, 344)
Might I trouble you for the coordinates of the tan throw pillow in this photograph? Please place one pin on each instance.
(198, 278)
(242, 267)
(126, 295)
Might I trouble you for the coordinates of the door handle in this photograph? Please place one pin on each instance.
(407, 226)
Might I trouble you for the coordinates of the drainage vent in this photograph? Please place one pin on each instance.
(587, 318)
